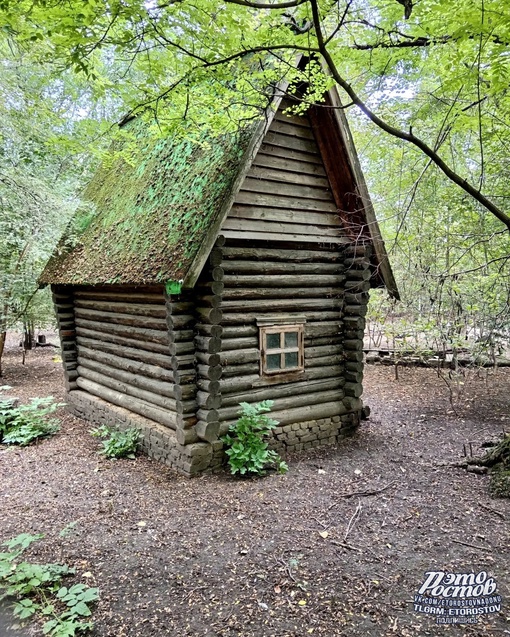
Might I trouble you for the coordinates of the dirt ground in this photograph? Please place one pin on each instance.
(282, 556)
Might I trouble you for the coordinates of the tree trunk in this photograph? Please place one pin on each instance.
(3, 336)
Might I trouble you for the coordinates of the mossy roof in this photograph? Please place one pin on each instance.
(153, 213)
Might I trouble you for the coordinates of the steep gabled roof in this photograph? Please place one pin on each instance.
(157, 221)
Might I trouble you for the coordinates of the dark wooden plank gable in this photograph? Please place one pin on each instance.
(286, 194)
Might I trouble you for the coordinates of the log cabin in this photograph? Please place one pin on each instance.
(234, 270)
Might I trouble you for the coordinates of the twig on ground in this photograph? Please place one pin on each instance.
(362, 494)
(498, 513)
(345, 545)
(352, 521)
(473, 546)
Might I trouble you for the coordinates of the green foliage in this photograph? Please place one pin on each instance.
(247, 449)
(116, 443)
(23, 424)
(37, 590)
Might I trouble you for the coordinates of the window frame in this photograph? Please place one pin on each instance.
(281, 326)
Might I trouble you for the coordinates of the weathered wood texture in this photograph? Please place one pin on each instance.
(285, 195)
(207, 342)
(123, 351)
(265, 282)
(63, 302)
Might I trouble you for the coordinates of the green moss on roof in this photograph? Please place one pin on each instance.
(152, 213)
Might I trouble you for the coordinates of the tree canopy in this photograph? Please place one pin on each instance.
(420, 71)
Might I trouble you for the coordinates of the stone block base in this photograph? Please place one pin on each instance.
(160, 442)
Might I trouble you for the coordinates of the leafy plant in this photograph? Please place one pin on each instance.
(247, 449)
(21, 425)
(115, 443)
(37, 590)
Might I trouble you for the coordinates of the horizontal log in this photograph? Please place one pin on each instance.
(316, 341)
(209, 300)
(291, 142)
(145, 322)
(208, 344)
(123, 295)
(214, 331)
(130, 403)
(284, 280)
(208, 359)
(137, 333)
(279, 392)
(207, 431)
(282, 201)
(141, 382)
(274, 254)
(240, 331)
(183, 362)
(126, 364)
(231, 344)
(296, 304)
(181, 335)
(238, 357)
(107, 380)
(208, 401)
(211, 315)
(204, 288)
(239, 371)
(246, 211)
(290, 229)
(324, 328)
(207, 372)
(357, 263)
(250, 316)
(314, 192)
(358, 250)
(290, 127)
(208, 415)
(271, 173)
(122, 340)
(179, 322)
(237, 384)
(303, 400)
(209, 386)
(310, 412)
(181, 349)
(279, 293)
(324, 361)
(137, 309)
(153, 358)
(281, 268)
(216, 274)
(322, 350)
(297, 164)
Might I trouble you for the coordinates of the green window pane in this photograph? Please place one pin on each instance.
(273, 361)
(272, 341)
(291, 339)
(291, 359)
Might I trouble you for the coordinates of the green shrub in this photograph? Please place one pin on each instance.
(23, 424)
(247, 448)
(37, 590)
(117, 444)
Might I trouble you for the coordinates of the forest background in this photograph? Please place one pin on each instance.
(425, 86)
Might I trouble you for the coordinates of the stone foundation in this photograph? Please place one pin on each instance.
(160, 442)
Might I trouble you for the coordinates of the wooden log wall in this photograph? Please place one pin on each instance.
(293, 280)
(208, 333)
(286, 193)
(123, 351)
(63, 302)
(357, 285)
(181, 324)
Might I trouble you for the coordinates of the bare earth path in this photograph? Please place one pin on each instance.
(283, 556)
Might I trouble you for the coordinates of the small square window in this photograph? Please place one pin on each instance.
(282, 347)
